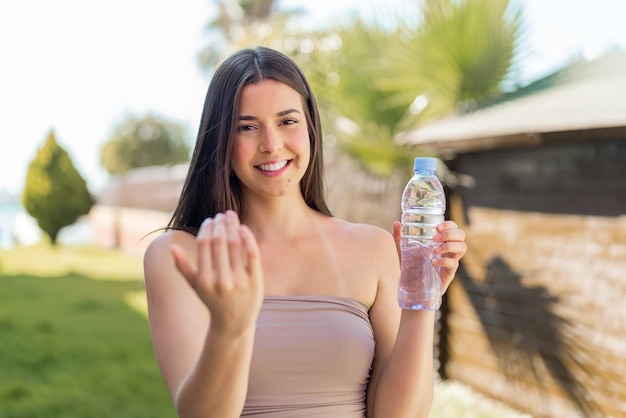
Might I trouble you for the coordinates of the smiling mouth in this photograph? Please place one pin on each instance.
(270, 167)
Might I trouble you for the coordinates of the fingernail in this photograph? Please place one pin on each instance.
(437, 237)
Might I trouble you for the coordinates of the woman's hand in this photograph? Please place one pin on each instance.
(228, 277)
(450, 251)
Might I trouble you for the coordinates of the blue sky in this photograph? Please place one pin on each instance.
(78, 66)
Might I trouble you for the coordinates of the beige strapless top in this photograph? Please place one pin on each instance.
(312, 358)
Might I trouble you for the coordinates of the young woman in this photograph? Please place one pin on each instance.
(261, 303)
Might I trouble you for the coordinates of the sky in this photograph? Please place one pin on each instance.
(79, 66)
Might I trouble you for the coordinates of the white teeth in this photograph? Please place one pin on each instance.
(273, 166)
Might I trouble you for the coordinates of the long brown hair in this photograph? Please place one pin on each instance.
(210, 186)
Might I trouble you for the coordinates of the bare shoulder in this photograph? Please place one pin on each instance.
(160, 272)
(367, 239)
(159, 248)
(369, 249)
(166, 239)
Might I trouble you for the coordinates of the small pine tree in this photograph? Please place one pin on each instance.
(55, 194)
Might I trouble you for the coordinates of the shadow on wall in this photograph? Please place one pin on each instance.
(525, 334)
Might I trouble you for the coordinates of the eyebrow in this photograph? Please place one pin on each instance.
(279, 114)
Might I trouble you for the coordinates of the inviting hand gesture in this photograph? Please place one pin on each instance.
(228, 277)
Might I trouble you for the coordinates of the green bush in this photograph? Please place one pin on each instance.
(55, 193)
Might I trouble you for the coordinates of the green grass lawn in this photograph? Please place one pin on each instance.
(74, 341)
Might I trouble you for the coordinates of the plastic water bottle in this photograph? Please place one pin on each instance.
(423, 207)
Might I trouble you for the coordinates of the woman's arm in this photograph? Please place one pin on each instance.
(401, 384)
(204, 358)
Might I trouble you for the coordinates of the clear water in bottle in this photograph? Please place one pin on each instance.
(423, 207)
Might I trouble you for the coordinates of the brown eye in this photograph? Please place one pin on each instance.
(242, 128)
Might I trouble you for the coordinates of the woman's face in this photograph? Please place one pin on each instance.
(272, 150)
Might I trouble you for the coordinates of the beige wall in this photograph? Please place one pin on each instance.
(129, 229)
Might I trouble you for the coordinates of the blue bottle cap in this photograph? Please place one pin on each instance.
(425, 163)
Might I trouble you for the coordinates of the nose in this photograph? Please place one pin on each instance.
(271, 140)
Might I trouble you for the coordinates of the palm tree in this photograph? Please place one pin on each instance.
(458, 55)
(441, 56)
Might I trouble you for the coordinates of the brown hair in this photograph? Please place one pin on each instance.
(210, 187)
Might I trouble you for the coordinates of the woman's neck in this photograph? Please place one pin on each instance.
(278, 219)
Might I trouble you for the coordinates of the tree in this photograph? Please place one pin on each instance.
(55, 193)
(406, 70)
(361, 115)
(143, 142)
(458, 55)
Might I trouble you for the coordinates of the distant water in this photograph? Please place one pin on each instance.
(9, 214)
(19, 228)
